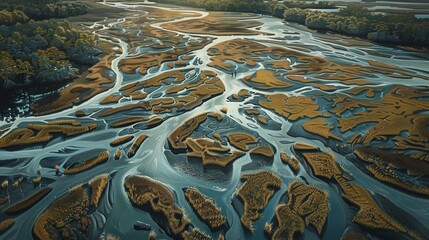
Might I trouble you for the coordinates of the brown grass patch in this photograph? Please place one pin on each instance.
(369, 214)
(326, 88)
(300, 146)
(255, 193)
(154, 121)
(291, 107)
(241, 140)
(211, 152)
(243, 51)
(37, 133)
(323, 164)
(6, 225)
(135, 147)
(263, 151)
(128, 121)
(206, 86)
(156, 198)
(111, 99)
(370, 91)
(290, 223)
(399, 111)
(383, 165)
(290, 161)
(121, 140)
(80, 113)
(281, 64)
(195, 234)
(265, 80)
(118, 154)
(88, 164)
(97, 185)
(206, 208)
(307, 205)
(176, 139)
(27, 203)
(74, 207)
(320, 127)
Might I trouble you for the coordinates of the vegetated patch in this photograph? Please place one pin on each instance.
(73, 208)
(206, 208)
(87, 164)
(255, 193)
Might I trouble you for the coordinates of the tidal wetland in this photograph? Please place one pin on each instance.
(220, 125)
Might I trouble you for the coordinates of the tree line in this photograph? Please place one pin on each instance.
(40, 10)
(355, 21)
(40, 52)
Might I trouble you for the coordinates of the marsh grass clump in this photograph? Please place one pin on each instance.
(323, 164)
(292, 162)
(118, 154)
(241, 140)
(87, 164)
(17, 182)
(268, 228)
(369, 215)
(313, 208)
(255, 193)
(5, 184)
(57, 169)
(39, 133)
(265, 80)
(263, 151)
(212, 152)
(72, 208)
(111, 237)
(380, 164)
(157, 199)
(176, 139)
(135, 147)
(28, 202)
(307, 205)
(289, 223)
(80, 113)
(121, 140)
(152, 235)
(128, 121)
(97, 185)
(206, 208)
(6, 225)
(300, 146)
(154, 121)
(195, 234)
(353, 235)
(37, 180)
(320, 127)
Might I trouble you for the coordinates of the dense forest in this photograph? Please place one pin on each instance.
(354, 21)
(36, 50)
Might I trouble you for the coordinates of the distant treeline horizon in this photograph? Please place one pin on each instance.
(391, 28)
